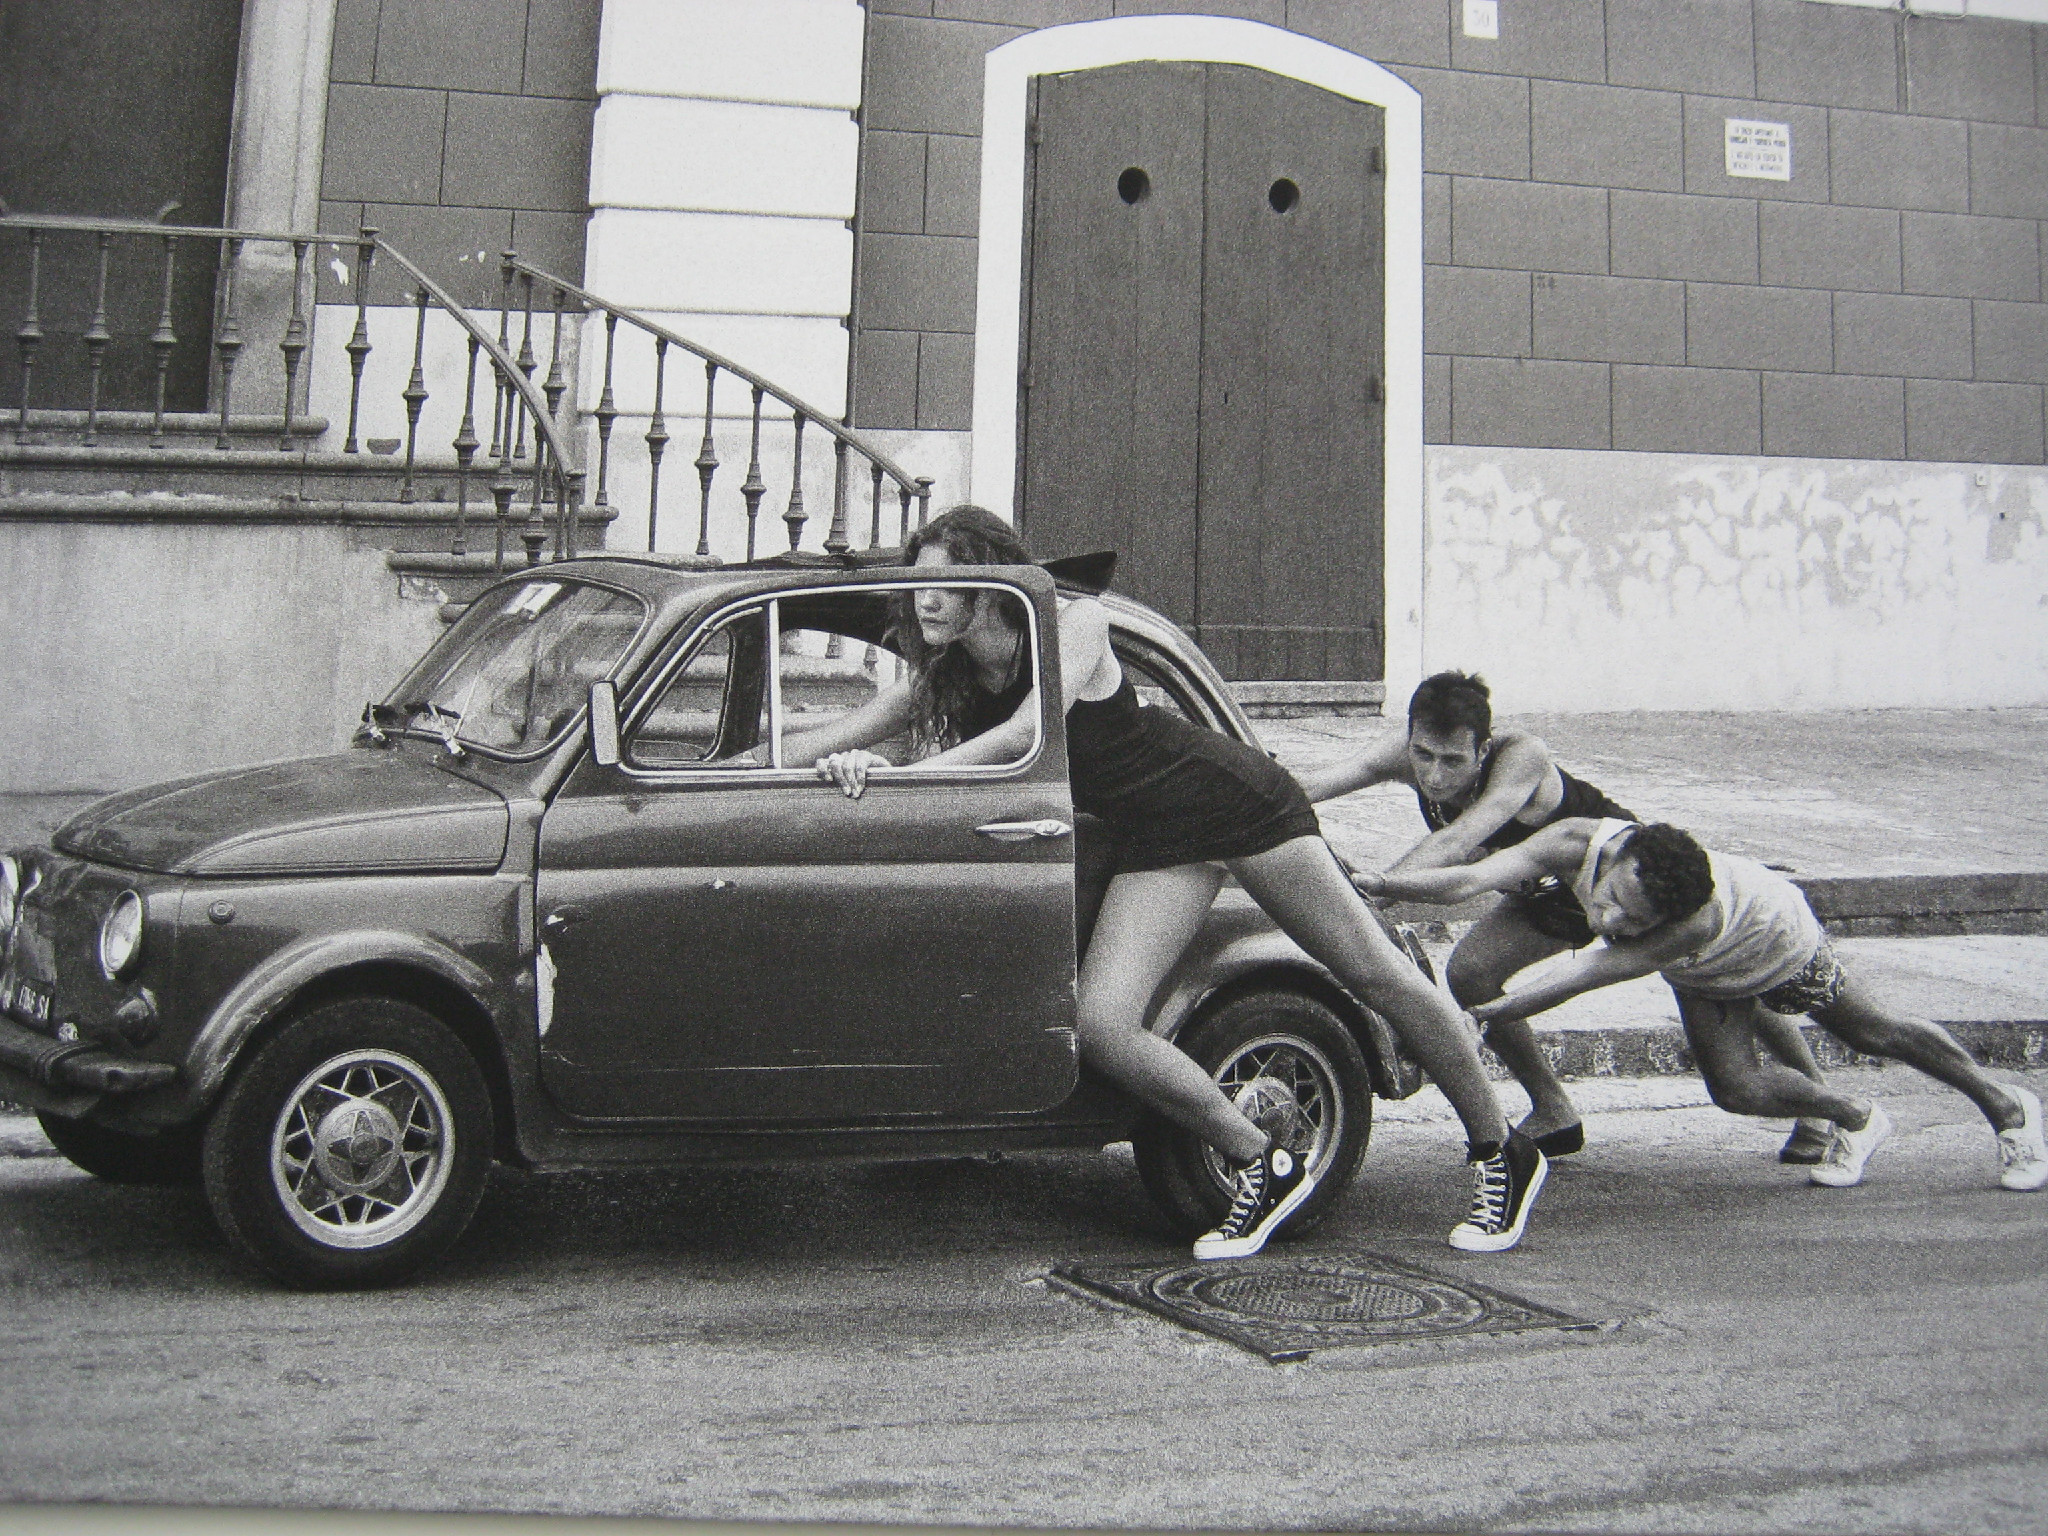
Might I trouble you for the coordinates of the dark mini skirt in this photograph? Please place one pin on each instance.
(1170, 792)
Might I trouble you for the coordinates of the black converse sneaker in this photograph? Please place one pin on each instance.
(1504, 1186)
(1269, 1190)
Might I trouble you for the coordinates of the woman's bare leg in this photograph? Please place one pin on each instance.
(1147, 921)
(1303, 890)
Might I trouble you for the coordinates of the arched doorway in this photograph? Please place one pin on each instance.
(1203, 354)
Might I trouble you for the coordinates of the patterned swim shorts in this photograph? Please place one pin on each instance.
(1816, 986)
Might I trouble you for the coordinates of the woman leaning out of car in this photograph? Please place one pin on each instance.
(1183, 804)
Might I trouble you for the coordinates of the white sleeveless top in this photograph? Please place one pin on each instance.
(1766, 932)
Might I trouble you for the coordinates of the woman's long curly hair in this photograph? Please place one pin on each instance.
(943, 683)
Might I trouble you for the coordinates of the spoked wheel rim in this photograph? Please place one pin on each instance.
(362, 1149)
(1290, 1090)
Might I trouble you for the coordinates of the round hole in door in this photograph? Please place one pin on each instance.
(1134, 186)
(1283, 195)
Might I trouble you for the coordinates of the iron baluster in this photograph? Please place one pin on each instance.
(162, 341)
(503, 487)
(875, 507)
(755, 487)
(294, 344)
(227, 341)
(30, 336)
(835, 537)
(535, 534)
(527, 362)
(707, 465)
(574, 484)
(465, 452)
(96, 338)
(607, 413)
(556, 385)
(902, 514)
(415, 395)
(358, 347)
(501, 426)
(657, 440)
(924, 499)
(795, 516)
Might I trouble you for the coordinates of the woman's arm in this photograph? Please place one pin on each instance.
(886, 714)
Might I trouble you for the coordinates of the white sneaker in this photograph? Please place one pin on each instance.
(1842, 1164)
(2022, 1156)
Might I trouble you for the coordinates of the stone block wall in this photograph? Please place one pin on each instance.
(458, 127)
(1595, 278)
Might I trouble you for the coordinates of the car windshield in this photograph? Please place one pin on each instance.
(513, 672)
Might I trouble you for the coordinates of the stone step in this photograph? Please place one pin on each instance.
(248, 471)
(57, 429)
(423, 526)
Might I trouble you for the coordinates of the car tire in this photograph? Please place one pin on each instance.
(320, 1211)
(1293, 1065)
(170, 1157)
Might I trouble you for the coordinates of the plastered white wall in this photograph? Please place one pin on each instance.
(724, 163)
(1580, 580)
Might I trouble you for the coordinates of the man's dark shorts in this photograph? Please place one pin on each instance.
(1550, 908)
(1817, 986)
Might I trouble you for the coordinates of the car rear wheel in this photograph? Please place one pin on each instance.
(352, 1148)
(1288, 1061)
(124, 1157)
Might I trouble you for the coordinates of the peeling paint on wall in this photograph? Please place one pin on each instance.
(1580, 580)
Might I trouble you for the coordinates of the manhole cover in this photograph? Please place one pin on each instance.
(1284, 1308)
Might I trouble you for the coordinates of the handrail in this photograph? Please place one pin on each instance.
(909, 487)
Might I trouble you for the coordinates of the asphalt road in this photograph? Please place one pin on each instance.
(881, 1344)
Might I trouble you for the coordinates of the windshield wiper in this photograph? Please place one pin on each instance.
(376, 717)
(443, 721)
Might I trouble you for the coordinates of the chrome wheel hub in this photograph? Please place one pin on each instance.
(362, 1149)
(1287, 1088)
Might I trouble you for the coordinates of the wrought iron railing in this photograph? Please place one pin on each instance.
(846, 443)
(531, 453)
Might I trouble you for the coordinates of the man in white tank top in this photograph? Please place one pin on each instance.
(1737, 942)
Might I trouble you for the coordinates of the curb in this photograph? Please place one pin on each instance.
(1659, 1050)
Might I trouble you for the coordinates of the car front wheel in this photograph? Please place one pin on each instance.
(352, 1148)
(1288, 1061)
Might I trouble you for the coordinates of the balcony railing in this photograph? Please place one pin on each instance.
(846, 444)
(530, 462)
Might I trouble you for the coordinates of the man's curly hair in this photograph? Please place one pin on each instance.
(1671, 868)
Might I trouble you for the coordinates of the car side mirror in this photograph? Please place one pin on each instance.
(604, 723)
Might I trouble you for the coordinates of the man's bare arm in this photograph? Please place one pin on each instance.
(1601, 966)
(1556, 850)
(1384, 762)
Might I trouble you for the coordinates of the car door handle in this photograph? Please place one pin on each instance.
(1019, 831)
(562, 918)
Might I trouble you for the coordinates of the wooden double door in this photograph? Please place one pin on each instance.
(1202, 355)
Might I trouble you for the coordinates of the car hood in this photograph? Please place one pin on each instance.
(356, 812)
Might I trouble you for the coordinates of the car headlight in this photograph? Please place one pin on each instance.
(10, 893)
(121, 935)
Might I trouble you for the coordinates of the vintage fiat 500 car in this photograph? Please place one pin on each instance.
(564, 903)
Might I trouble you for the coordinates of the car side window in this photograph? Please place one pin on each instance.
(713, 708)
(836, 654)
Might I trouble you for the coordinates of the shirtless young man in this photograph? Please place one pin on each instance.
(1739, 945)
(1479, 792)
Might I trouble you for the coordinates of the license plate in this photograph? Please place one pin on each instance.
(26, 1001)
